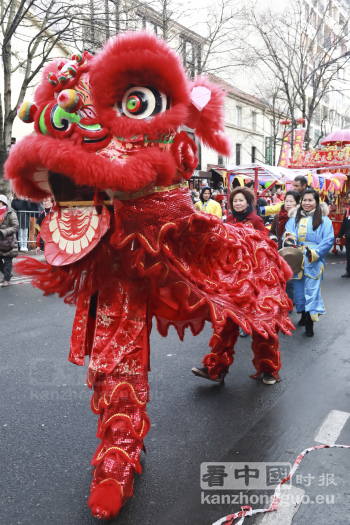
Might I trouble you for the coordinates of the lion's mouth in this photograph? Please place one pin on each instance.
(64, 189)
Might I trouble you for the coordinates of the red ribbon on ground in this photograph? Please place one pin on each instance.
(248, 511)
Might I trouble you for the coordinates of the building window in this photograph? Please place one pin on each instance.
(238, 154)
(191, 57)
(220, 160)
(304, 72)
(253, 120)
(253, 154)
(150, 26)
(268, 150)
(238, 116)
(313, 18)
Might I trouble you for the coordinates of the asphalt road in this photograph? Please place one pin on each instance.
(47, 430)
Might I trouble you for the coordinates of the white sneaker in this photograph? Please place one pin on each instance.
(242, 333)
(269, 379)
(203, 372)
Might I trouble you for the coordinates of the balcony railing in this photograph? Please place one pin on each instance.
(325, 99)
(327, 42)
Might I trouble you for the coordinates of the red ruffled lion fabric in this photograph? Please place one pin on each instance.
(199, 268)
(155, 255)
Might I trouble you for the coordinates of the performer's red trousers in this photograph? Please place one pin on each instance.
(267, 357)
(114, 330)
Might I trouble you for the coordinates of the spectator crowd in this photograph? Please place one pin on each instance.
(296, 218)
(20, 222)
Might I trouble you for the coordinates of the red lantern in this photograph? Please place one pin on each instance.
(285, 122)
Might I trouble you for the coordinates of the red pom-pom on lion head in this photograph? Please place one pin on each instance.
(110, 122)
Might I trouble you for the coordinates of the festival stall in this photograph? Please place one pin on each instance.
(328, 169)
(263, 174)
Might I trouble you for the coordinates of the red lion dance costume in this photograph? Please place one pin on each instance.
(107, 130)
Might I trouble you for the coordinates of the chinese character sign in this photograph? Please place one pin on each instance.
(319, 158)
(285, 153)
(298, 141)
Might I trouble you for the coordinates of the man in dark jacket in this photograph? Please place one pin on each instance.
(22, 205)
(8, 244)
(345, 229)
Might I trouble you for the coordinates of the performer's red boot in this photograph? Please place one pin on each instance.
(121, 403)
(267, 357)
(222, 346)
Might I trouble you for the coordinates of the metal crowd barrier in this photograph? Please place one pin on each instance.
(29, 219)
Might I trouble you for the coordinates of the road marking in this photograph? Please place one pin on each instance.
(290, 501)
(291, 498)
(18, 280)
(21, 281)
(330, 429)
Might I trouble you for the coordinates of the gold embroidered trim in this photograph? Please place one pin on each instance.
(107, 403)
(139, 434)
(111, 479)
(77, 204)
(103, 453)
(155, 189)
(125, 196)
(319, 275)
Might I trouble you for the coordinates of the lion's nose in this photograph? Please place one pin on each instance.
(69, 100)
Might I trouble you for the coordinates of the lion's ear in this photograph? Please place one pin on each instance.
(207, 115)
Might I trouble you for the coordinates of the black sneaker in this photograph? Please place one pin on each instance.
(204, 372)
(269, 379)
(242, 333)
(346, 274)
(302, 320)
(309, 326)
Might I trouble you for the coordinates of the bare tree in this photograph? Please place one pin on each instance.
(30, 30)
(271, 92)
(299, 49)
(222, 27)
(206, 38)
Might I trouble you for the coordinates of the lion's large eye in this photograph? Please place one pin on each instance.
(142, 102)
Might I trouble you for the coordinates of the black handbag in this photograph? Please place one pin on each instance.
(7, 243)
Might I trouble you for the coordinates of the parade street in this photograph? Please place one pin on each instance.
(48, 430)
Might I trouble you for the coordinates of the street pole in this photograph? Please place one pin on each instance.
(256, 171)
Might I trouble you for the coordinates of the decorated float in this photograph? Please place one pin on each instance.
(328, 169)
